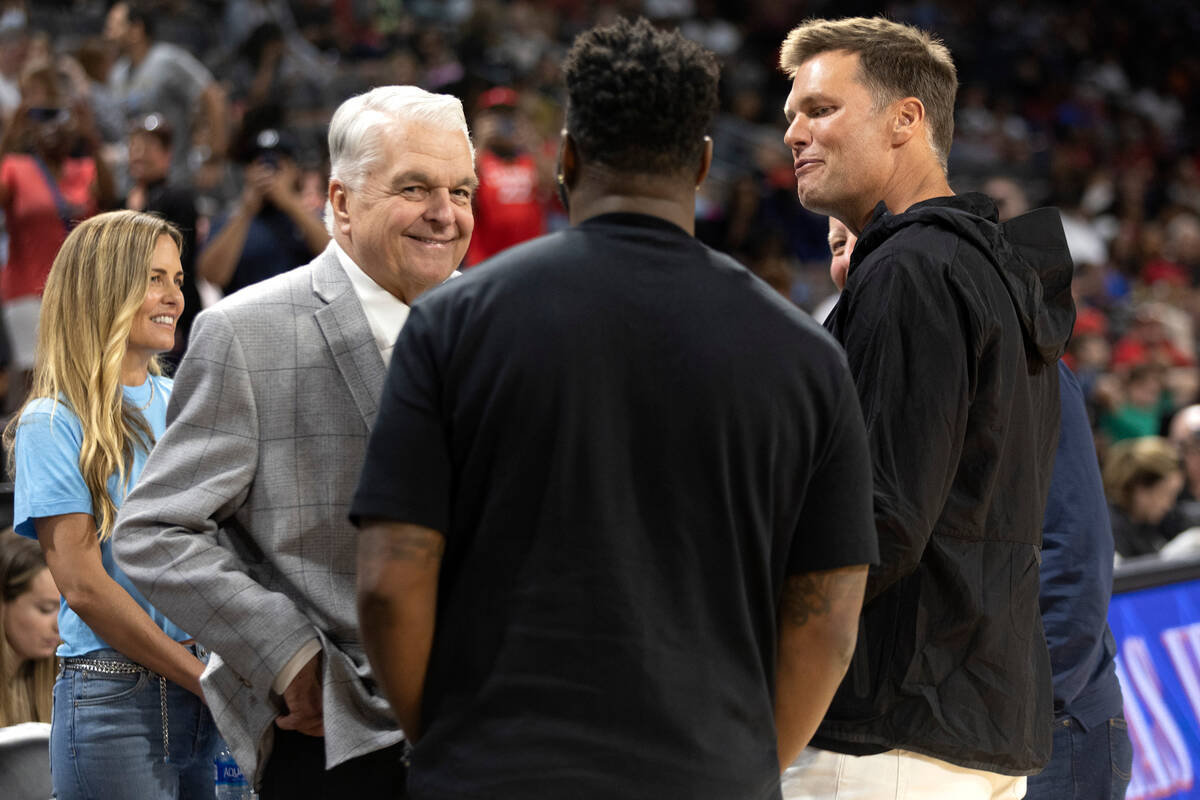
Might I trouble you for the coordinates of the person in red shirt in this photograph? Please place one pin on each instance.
(1148, 342)
(508, 204)
(44, 190)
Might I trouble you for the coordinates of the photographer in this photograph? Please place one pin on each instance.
(271, 231)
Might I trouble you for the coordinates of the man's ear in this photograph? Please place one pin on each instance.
(339, 201)
(908, 118)
(705, 161)
(568, 160)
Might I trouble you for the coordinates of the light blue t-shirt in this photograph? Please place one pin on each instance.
(49, 483)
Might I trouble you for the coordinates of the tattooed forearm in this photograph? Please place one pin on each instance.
(813, 594)
(804, 596)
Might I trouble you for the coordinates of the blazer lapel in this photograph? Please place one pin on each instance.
(348, 334)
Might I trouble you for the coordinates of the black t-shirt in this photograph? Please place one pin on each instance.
(629, 441)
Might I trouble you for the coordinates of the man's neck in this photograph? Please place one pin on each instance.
(600, 191)
(906, 188)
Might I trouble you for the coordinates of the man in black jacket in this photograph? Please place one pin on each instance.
(952, 325)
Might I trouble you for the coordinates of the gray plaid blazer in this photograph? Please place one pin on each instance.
(237, 529)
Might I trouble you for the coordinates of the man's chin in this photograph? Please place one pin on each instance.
(814, 203)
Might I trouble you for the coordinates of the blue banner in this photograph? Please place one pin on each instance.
(1158, 663)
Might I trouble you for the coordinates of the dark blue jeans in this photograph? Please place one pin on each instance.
(1092, 765)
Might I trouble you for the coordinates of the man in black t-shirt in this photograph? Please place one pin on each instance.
(616, 504)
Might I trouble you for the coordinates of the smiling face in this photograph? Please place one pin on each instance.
(841, 148)
(409, 225)
(31, 619)
(153, 330)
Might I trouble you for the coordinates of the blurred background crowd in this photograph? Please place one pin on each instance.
(213, 113)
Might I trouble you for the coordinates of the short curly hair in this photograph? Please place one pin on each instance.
(640, 100)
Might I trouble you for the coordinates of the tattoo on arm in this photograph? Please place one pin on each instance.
(382, 550)
(813, 594)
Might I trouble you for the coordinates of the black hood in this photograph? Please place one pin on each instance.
(1028, 252)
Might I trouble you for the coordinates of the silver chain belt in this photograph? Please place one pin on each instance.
(105, 667)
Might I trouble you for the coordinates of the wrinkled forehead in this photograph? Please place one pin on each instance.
(432, 149)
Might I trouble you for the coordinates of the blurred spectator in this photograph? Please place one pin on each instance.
(1140, 407)
(443, 70)
(159, 77)
(1011, 200)
(29, 603)
(508, 207)
(154, 191)
(271, 231)
(95, 59)
(266, 32)
(1142, 479)
(44, 191)
(255, 75)
(1177, 260)
(14, 46)
(1088, 355)
(1149, 341)
(1185, 435)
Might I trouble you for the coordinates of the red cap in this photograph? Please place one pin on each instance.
(1089, 321)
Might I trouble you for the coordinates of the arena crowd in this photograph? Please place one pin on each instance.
(243, 128)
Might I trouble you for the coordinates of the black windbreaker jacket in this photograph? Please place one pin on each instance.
(952, 324)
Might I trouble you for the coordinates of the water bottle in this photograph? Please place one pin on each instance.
(230, 783)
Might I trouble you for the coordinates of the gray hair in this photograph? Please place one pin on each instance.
(358, 124)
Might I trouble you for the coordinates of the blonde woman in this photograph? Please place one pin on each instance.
(1142, 478)
(128, 720)
(28, 631)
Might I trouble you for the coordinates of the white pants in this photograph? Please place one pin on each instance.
(894, 775)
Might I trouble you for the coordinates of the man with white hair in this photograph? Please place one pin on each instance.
(239, 524)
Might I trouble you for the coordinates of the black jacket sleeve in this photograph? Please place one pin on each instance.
(905, 343)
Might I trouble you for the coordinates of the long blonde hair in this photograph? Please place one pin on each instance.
(30, 694)
(96, 286)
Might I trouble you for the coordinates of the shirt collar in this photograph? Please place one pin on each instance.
(385, 312)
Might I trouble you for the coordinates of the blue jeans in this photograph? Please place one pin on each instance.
(1091, 765)
(106, 737)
